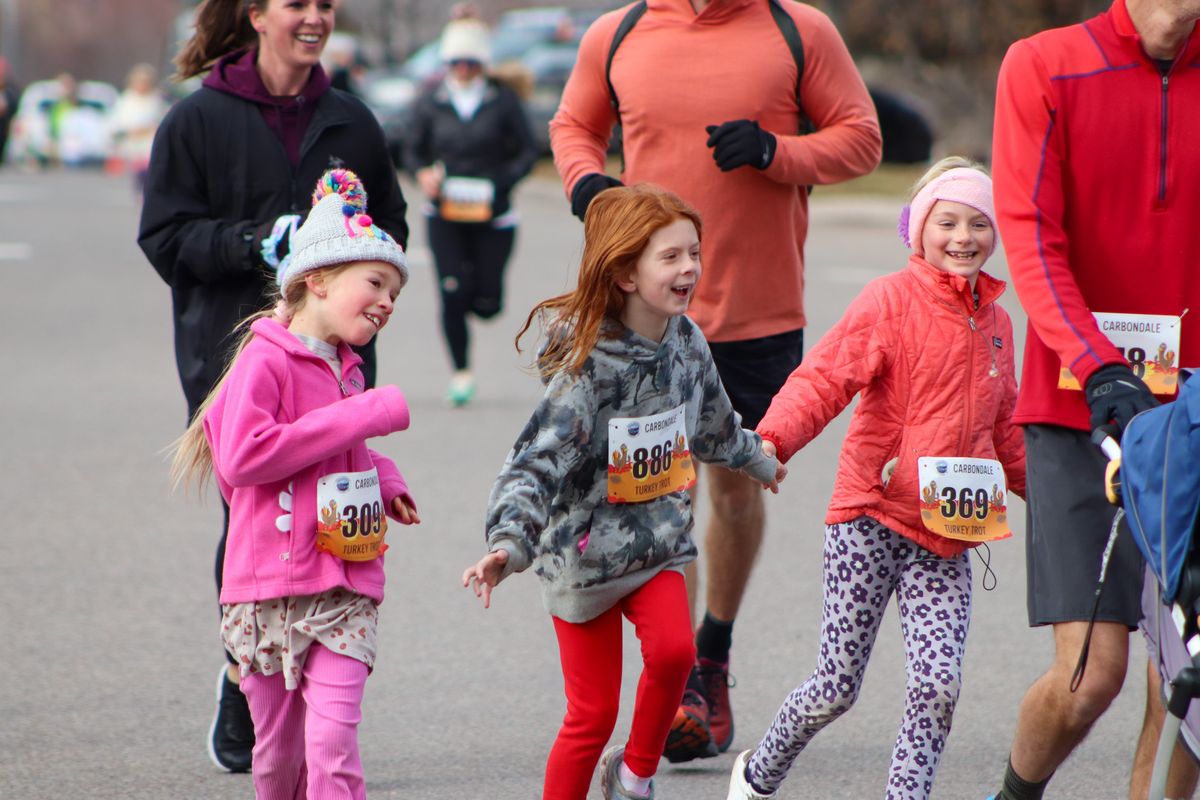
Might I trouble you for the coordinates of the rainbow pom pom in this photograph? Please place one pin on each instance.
(345, 183)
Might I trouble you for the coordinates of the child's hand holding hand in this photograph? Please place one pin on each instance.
(768, 449)
(484, 575)
(405, 511)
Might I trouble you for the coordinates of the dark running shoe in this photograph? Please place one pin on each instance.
(717, 682)
(689, 737)
(231, 737)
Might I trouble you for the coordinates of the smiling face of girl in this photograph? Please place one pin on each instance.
(664, 281)
(350, 304)
(291, 36)
(957, 238)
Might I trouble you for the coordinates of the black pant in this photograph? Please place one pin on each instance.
(754, 370)
(470, 259)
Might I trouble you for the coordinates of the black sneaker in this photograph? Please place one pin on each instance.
(231, 737)
(690, 737)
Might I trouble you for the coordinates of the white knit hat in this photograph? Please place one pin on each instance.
(466, 39)
(338, 231)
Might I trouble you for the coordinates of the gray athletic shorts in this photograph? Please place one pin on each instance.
(1067, 524)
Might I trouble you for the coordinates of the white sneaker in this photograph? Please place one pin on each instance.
(610, 778)
(739, 787)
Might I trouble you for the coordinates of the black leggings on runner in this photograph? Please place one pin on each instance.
(470, 260)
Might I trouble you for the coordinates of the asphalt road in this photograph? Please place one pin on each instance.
(110, 622)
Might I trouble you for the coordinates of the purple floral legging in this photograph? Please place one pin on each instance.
(864, 563)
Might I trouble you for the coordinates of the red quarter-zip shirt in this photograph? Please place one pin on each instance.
(1096, 162)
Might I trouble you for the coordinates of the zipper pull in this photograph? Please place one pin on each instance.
(342, 386)
(971, 322)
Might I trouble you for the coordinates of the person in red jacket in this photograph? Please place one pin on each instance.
(929, 460)
(1101, 261)
(723, 131)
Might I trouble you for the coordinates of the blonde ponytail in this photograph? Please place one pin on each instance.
(191, 462)
(191, 456)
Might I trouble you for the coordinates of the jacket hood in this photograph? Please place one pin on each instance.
(715, 12)
(621, 342)
(237, 74)
(617, 343)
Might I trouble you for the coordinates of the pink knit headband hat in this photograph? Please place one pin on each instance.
(959, 185)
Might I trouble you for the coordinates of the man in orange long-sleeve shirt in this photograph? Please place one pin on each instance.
(707, 92)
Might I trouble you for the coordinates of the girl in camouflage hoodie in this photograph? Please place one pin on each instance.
(594, 493)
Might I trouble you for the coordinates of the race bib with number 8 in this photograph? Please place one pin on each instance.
(648, 457)
(351, 522)
(964, 498)
(1149, 342)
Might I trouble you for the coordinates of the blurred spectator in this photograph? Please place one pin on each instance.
(468, 145)
(465, 11)
(9, 96)
(78, 133)
(134, 119)
(344, 63)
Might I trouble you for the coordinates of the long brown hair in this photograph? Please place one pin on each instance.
(616, 229)
(191, 461)
(222, 27)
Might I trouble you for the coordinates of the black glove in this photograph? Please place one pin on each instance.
(586, 190)
(273, 239)
(740, 143)
(1115, 394)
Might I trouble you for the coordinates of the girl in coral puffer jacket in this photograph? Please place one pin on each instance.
(928, 461)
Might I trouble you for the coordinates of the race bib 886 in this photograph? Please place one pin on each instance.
(648, 457)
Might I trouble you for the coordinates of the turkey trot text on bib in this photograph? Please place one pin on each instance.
(1149, 342)
(964, 498)
(351, 522)
(648, 457)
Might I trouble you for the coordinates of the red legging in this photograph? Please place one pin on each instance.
(591, 662)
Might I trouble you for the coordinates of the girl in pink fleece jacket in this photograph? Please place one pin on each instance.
(929, 459)
(285, 432)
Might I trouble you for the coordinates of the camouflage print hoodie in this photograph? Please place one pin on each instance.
(550, 504)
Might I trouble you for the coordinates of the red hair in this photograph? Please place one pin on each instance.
(616, 229)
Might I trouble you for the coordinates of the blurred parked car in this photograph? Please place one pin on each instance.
(75, 136)
(549, 66)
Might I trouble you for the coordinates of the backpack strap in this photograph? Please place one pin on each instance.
(783, 21)
(787, 27)
(631, 18)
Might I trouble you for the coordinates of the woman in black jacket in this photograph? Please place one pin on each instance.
(230, 176)
(468, 144)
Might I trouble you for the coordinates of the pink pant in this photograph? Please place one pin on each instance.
(306, 741)
(591, 662)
